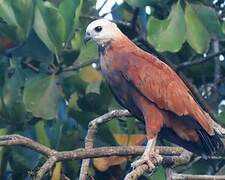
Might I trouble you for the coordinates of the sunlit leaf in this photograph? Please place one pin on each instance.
(73, 102)
(41, 97)
(197, 35)
(125, 139)
(89, 74)
(3, 163)
(102, 164)
(165, 35)
(56, 175)
(41, 133)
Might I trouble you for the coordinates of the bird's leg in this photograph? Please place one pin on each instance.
(150, 156)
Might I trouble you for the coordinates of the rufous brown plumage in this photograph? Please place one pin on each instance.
(153, 93)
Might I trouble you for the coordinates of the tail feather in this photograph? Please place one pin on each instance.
(206, 147)
(211, 144)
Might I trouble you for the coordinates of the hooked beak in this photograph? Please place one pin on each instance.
(87, 37)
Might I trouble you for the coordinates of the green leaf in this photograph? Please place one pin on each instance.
(14, 11)
(143, 3)
(210, 20)
(35, 49)
(93, 87)
(139, 3)
(23, 8)
(197, 35)
(6, 12)
(3, 153)
(41, 97)
(165, 35)
(41, 133)
(55, 24)
(12, 96)
(223, 27)
(70, 11)
(49, 26)
(8, 36)
(87, 53)
(41, 28)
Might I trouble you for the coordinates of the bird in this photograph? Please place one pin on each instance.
(153, 93)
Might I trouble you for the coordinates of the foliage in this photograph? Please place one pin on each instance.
(44, 96)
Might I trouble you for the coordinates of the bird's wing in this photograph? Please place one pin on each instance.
(161, 85)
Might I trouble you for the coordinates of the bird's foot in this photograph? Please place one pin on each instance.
(151, 159)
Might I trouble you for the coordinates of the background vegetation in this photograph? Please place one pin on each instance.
(51, 86)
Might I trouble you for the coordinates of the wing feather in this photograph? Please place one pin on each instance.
(161, 85)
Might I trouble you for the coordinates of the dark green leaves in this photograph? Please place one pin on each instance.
(41, 97)
(49, 25)
(55, 25)
(140, 3)
(165, 35)
(14, 12)
(201, 24)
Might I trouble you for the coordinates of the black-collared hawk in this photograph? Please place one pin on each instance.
(152, 92)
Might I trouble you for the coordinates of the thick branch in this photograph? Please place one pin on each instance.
(167, 161)
(55, 156)
(14, 139)
(175, 176)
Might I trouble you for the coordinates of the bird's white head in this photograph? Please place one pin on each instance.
(102, 31)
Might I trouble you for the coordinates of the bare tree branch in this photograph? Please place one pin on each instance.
(177, 160)
(77, 66)
(199, 61)
(172, 156)
(172, 175)
(14, 139)
(92, 130)
(82, 153)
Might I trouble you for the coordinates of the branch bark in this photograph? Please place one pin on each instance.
(172, 156)
(172, 175)
(92, 130)
(54, 156)
(199, 61)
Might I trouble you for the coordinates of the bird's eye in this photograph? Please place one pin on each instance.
(98, 28)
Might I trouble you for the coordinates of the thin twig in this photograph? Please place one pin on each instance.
(78, 66)
(199, 61)
(30, 66)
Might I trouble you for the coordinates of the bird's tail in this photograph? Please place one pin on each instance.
(210, 144)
